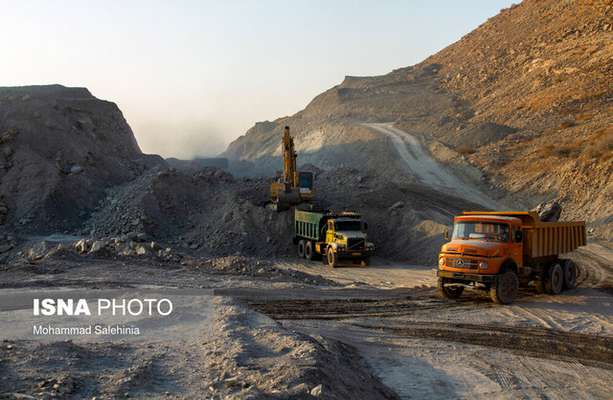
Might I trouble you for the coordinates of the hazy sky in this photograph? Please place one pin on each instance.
(190, 76)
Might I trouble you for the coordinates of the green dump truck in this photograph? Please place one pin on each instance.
(338, 238)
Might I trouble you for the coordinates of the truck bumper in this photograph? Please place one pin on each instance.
(466, 277)
(353, 255)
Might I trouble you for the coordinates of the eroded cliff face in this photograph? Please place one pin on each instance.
(61, 148)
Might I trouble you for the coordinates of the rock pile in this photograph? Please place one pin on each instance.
(124, 246)
(208, 212)
(248, 266)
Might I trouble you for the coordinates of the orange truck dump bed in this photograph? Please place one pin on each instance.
(544, 239)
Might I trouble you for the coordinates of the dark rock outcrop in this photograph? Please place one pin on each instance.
(60, 149)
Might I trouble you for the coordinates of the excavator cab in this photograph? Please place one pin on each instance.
(305, 184)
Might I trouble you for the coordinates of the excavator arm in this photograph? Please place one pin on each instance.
(292, 187)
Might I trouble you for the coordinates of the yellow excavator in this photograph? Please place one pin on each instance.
(292, 187)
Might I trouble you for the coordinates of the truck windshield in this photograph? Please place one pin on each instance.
(481, 231)
(348, 225)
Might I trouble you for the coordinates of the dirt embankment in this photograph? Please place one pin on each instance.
(234, 353)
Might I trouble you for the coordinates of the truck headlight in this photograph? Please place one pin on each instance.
(441, 261)
(483, 265)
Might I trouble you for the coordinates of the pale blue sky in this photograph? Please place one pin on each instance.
(190, 76)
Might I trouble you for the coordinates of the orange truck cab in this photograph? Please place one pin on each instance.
(499, 251)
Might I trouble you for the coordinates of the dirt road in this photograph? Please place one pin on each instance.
(381, 273)
(427, 170)
(426, 347)
(422, 360)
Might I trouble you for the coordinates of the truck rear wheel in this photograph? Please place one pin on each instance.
(554, 279)
(301, 248)
(331, 257)
(308, 250)
(449, 292)
(570, 274)
(506, 287)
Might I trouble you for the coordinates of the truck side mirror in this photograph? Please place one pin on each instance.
(519, 236)
(446, 234)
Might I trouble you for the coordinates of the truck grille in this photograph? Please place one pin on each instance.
(355, 243)
(463, 263)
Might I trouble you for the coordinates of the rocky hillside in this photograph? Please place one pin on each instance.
(60, 149)
(525, 99)
(70, 164)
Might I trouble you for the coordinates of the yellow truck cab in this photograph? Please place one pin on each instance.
(499, 251)
(338, 238)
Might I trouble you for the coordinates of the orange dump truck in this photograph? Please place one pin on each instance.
(499, 251)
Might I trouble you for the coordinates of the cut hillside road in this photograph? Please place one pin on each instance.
(426, 169)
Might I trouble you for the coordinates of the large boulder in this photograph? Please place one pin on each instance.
(549, 211)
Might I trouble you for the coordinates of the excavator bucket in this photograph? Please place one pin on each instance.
(286, 199)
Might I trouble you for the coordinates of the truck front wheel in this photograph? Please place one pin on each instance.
(554, 279)
(331, 257)
(505, 289)
(449, 292)
(301, 248)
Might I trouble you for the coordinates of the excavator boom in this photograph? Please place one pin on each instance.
(292, 187)
(289, 159)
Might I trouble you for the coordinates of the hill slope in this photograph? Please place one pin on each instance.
(522, 107)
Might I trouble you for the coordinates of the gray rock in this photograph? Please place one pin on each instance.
(140, 250)
(81, 246)
(76, 169)
(397, 205)
(549, 211)
(317, 390)
(98, 245)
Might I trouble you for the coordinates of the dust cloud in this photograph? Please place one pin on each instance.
(181, 139)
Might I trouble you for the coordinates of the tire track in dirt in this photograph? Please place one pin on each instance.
(537, 342)
(595, 269)
(340, 309)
